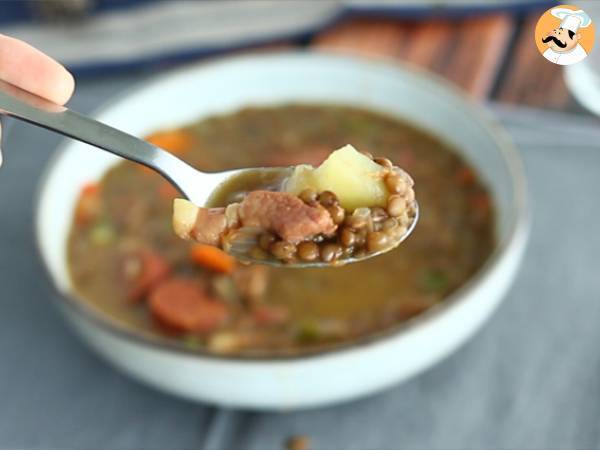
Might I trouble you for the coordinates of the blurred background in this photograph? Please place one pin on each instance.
(530, 380)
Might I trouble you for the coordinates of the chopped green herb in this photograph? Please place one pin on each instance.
(434, 280)
(102, 234)
(309, 331)
(192, 342)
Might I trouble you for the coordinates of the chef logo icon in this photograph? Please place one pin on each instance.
(564, 35)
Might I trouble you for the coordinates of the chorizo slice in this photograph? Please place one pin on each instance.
(142, 271)
(182, 305)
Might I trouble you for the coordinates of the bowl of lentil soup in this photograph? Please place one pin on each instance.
(266, 338)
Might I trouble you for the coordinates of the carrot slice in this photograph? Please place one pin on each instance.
(466, 176)
(88, 206)
(175, 141)
(212, 258)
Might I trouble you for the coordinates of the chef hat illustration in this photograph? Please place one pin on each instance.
(572, 20)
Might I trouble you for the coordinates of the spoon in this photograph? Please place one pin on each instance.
(195, 185)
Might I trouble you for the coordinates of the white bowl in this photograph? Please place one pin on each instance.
(306, 381)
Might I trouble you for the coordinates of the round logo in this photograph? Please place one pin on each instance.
(565, 34)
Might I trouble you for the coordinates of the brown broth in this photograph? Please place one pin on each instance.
(453, 238)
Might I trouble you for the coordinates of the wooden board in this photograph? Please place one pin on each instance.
(490, 57)
(529, 78)
(467, 51)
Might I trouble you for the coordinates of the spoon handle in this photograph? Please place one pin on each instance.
(25, 106)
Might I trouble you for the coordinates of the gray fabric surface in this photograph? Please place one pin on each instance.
(530, 379)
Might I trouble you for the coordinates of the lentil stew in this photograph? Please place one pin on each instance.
(126, 262)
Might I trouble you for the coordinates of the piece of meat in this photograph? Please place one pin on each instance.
(286, 215)
(182, 305)
(205, 225)
(211, 223)
(280, 212)
(142, 271)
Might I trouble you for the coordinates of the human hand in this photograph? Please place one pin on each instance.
(33, 71)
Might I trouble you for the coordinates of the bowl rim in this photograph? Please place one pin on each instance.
(518, 228)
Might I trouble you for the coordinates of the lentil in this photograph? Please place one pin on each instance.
(309, 196)
(376, 241)
(338, 214)
(348, 237)
(396, 205)
(327, 198)
(308, 251)
(384, 162)
(283, 250)
(330, 252)
(395, 183)
(378, 214)
(265, 240)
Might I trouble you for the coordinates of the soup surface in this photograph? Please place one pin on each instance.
(123, 253)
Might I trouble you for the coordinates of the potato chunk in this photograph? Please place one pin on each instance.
(185, 214)
(353, 177)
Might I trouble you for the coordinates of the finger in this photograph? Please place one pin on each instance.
(33, 71)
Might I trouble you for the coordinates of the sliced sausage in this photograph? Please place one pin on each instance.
(182, 305)
(142, 271)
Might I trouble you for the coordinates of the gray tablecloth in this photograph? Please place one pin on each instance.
(530, 379)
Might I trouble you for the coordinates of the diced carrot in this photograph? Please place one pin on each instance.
(481, 202)
(175, 141)
(88, 205)
(212, 258)
(481, 205)
(90, 189)
(465, 176)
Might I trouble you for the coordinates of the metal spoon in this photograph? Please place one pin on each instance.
(195, 185)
